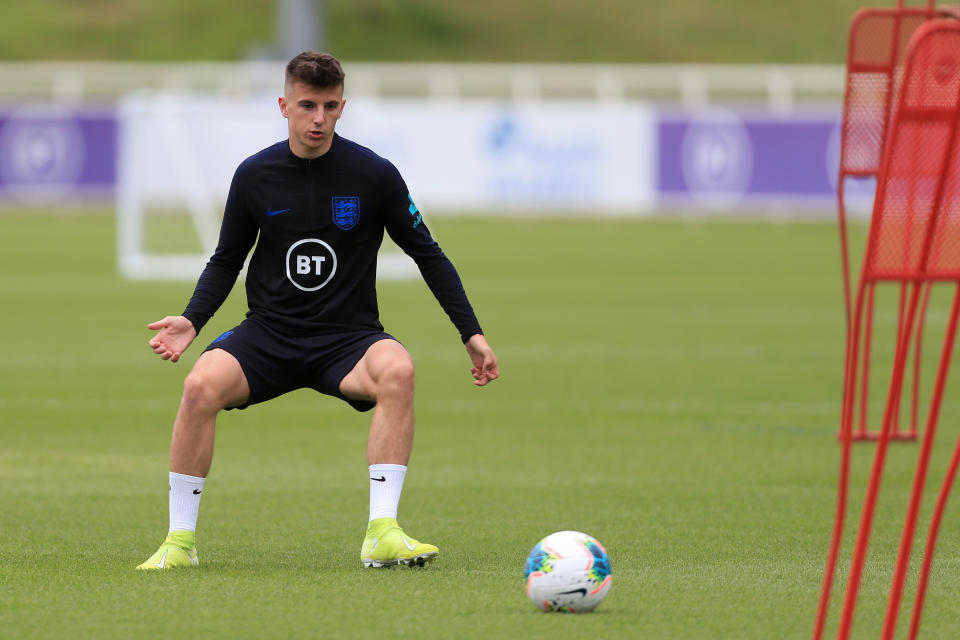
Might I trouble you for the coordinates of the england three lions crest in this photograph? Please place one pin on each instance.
(346, 212)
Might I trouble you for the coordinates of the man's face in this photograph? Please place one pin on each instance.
(311, 115)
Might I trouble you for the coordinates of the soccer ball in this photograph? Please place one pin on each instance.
(568, 571)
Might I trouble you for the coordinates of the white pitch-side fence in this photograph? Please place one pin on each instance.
(691, 85)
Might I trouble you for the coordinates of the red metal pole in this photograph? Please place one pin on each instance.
(923, 463)
(932, 541)
(844, 249)
(876, 475)
(895, 429)
(834, 541)
(918, 350)
(867, 344)
(846, 436)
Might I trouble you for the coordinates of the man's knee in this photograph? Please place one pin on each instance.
(398, 375)
(201, 392)
(216, 382)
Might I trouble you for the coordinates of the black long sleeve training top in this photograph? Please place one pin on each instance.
(320, 224)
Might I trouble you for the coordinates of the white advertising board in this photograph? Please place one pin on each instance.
(458, 156)
(454, 155)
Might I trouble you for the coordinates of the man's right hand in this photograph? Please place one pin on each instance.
(176, 334)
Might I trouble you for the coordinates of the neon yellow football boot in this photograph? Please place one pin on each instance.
(387, 545)
(178, 550)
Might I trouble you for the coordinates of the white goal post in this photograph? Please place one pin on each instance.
(176, 155)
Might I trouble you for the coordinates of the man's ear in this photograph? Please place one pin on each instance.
(282, 101)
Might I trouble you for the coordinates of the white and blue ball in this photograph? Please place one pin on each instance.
(568, 571)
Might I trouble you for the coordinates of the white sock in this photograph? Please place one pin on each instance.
(184, 501)
(386, 483)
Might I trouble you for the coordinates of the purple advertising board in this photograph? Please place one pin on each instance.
(51, 154)
(725, 160)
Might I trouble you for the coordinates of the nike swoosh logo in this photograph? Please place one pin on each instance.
(163, 560)
(411, 547)
(380, 479)
(582, 592)
(274, 213)
(197, 492)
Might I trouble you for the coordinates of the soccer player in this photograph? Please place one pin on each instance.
(316, 205)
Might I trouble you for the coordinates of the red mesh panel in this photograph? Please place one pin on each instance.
(878, 44)
(916, 221)
(863, 124)
(944, 261)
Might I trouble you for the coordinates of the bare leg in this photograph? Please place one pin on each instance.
(385, 375)
(216, 382)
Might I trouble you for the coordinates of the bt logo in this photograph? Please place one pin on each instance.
(311, 264)
(303, 263)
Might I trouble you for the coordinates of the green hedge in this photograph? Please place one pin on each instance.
(734, 31)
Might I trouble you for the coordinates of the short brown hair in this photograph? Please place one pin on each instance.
(318, 70)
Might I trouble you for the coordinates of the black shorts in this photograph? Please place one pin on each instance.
(275, 363)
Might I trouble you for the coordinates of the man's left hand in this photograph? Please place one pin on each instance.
(485, 368)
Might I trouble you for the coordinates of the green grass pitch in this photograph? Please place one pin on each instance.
(670, 387)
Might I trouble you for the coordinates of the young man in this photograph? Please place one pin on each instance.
(319, 205)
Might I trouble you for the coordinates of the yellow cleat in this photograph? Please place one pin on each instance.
(387, 545)
(178, 550)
